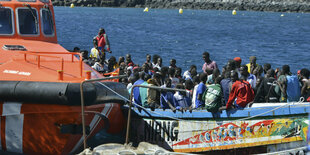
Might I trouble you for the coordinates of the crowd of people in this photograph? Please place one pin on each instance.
(235, 85)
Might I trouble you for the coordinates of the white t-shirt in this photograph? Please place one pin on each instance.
(194, 96)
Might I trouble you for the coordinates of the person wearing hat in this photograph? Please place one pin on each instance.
(238, 61)
(252, 65)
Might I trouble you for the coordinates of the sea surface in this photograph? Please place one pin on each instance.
(275, 38)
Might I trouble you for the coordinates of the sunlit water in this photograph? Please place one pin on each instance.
(272, 38)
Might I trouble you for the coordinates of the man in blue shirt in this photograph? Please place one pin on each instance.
(200, 90)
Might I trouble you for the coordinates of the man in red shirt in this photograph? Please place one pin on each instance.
(241, 93)
(103, 41)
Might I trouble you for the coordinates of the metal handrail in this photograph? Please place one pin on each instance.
(82, 101)
(39, 54)
(130, 103)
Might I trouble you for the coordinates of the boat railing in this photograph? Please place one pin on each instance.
(130, 103)
(52, 55)
(82, 100)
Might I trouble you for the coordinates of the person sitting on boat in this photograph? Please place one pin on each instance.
(100, 66)
(305, 90)
(171, 75)
(188, 74)
(212, 97)
(128, 60)
(154, 60)
(173, 63)
(265, 92)
(153, 96)
(209, 65)
(159, 63)
(252, 65)
(245, 75)
(238, 61)
(121, 59)
(138, 99)
(266, 68)
(181, 101)
(259, 78)
(112, 64)
(178, 74)
(76, 49)
(95, 53)
(200, 90)
(164, 74)
(213, 76)
(166, 97)
(146, 69)
(103, 42)
(86, 59)
(226, 85)
(148, 61)
(196, 81)
(241, 93)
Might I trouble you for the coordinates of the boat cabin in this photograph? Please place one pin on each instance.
(27, 19)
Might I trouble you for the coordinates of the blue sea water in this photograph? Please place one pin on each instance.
(272, 38)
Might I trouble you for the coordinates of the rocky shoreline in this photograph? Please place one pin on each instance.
(249, 5)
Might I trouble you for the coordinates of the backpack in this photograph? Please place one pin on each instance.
(293, 88)
(212, 98)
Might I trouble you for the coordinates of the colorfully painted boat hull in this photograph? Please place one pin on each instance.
(198, 131)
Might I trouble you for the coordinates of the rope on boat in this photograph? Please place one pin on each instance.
(174, 118)
(301, 99)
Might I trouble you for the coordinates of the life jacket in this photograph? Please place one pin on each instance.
(101, 40)
(293, 88)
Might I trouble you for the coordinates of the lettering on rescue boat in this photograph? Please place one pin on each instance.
(160, 131)
(17, 72)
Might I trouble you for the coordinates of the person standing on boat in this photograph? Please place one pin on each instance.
(209, 65)
(103, 42)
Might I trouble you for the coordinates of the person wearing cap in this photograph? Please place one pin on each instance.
(103, 42)
(252, 65)
(209, 65)
(238, 61)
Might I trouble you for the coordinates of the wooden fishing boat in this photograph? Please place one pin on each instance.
(263, 128)
(40, 101)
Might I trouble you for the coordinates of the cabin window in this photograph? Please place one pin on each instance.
(28, 21)
(6, 21)
(47, 22)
